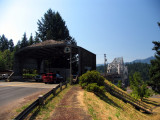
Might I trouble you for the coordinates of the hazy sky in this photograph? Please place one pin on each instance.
(118, 28)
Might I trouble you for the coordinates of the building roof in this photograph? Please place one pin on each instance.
(47, 43)
(48, 48)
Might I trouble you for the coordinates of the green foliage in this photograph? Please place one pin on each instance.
(139, 88)
(93, 87)
(24, 42)
(27, 75)
(119, 84)
(3, 43)
(6, 53)
(155, 68)
(100, 68)
(142, 68)
(92, 81)
(31, 41)
(2, 62)
(92, 77)
(36, 39)
(11, 45)
(6, 60)
(52, 26)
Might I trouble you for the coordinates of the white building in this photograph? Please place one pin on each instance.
(117, 67)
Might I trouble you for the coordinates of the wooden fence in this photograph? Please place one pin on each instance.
(127, 98)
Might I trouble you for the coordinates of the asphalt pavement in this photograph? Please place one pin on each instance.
(12, 91)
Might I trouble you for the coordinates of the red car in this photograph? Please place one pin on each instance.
(52, 78)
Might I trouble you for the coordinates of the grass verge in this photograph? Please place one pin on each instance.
(108, 107)
(43, 113)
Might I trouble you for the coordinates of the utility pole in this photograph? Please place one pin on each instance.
(105, 68)
(68, 49)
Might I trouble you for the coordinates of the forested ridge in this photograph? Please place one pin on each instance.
(142, 68)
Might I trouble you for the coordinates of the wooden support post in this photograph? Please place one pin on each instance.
(54, 91)
(41, 100)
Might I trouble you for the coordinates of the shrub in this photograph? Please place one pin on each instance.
(91, 77)
(93, 87)
(92, 81)
(29, 76)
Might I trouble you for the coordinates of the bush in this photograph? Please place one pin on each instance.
(93, 87)
(92, 81)
(29, 76)
(91, 77)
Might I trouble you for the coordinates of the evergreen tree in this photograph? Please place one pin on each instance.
(31, 41)
(3, 43)
(139, 88)
(7, 59)
(18, 46)
(24, 42)
(52, 26)
(36, 39)
(11, 45)
(142, 68)
(2, 62)
(155, 67)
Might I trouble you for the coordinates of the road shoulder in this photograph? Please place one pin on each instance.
(71, 107)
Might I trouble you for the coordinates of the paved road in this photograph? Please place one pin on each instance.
(12, 91)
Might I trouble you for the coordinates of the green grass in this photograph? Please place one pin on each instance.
(43, 112)
(108, 107)
(19, 110)
(109, 118)
(117, 114)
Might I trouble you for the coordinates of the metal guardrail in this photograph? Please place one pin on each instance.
(130, 99)
(38, 102)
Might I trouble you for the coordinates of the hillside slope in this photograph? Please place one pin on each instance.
(108, 107)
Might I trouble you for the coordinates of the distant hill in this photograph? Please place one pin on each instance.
(147, 60)
(99, 65)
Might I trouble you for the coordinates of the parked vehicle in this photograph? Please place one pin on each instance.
(4, 76)
(39, 78)
(52, 78)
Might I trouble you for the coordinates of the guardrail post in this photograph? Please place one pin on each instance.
(60, 86)
(54, 91)
(41, 100)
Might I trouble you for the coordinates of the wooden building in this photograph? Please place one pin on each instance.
(50, 56)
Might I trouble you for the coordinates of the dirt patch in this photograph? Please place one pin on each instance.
(71, 107)
(8, 111)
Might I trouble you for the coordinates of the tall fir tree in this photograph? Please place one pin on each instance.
(3, 43)
(155, 67)
(24, 42)
(52, 26)
(36, 39)
(31, 41)
(139, 88)
(11, 45)
(18, 46)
